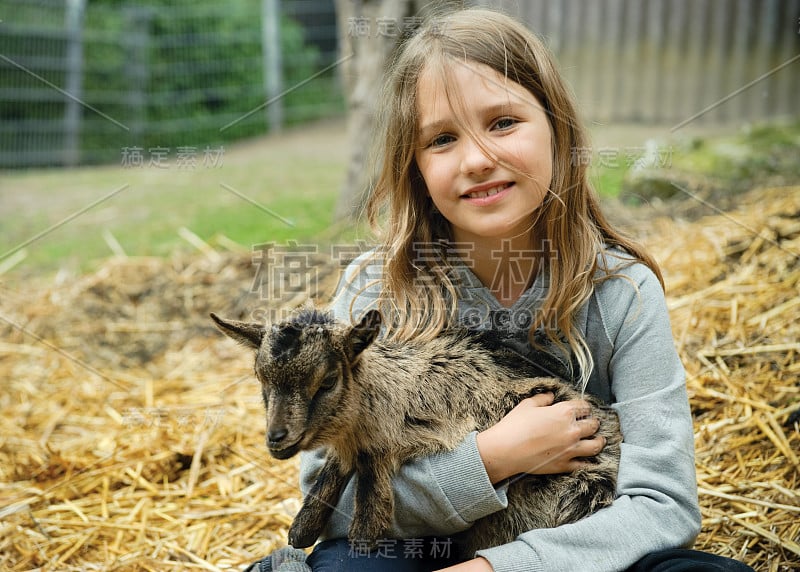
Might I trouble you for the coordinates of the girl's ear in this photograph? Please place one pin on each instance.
(248, 334)
(363, 334)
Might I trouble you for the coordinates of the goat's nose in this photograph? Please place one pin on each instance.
(277, 435)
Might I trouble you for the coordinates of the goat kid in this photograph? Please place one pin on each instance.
(377, 404)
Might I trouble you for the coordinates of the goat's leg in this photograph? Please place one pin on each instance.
(374, 500)
(318, 505)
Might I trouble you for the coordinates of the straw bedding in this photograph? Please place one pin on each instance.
(132, 434)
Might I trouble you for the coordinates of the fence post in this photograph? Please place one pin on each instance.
(271, 48)
(138, 38)
(73, 23)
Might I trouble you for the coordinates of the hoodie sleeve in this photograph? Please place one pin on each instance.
(657, 505)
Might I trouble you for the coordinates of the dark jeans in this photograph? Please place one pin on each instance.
(426, 555)
(416, 555)
(677, 560)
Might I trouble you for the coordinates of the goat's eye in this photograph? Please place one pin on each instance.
(328, 382)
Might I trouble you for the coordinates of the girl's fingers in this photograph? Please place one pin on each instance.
(541, 399)
(575, 458)
(580, 408)
(540, 437)
(588, 426)
(589, 447)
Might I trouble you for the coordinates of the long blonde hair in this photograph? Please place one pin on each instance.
(420, 291)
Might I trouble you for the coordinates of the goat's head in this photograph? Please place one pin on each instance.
(305, 367)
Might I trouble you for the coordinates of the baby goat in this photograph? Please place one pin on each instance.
(376, 405)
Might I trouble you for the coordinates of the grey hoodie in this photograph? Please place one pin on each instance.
(636, 369)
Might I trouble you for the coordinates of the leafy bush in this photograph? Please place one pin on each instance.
(157, 75)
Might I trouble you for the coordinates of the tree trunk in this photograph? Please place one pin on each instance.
(369, 30)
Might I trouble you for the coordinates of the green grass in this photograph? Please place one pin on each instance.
(607, 180)
(754, 152)
(296, 176)
(741, 160)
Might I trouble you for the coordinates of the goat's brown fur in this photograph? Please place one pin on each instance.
(376, 404)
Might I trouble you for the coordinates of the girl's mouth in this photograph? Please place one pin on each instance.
(487, 195)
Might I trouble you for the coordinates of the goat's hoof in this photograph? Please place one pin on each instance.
(301, 538)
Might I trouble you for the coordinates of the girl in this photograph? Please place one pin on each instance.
(491, 223)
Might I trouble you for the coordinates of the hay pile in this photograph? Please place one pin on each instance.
(733, 289)
(132, 433)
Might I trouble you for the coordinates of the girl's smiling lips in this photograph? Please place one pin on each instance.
(487, 193)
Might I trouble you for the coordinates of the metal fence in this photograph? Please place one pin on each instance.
(671, 62)
(91, 82)
(81, 82)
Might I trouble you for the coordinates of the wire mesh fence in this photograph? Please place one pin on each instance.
(93, 81)
(135, 80)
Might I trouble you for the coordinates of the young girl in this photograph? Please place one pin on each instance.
(492, 224)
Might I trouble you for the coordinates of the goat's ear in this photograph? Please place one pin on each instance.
(248, 334)
(363, 334)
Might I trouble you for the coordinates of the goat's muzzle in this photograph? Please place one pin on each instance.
(279, 448)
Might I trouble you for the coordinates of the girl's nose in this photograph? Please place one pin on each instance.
(475, 158)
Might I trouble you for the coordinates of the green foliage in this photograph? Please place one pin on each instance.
(607, 180)
(756, 155)
(747, 158)
(164, 75)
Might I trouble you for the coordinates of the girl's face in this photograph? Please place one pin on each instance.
(488, 193)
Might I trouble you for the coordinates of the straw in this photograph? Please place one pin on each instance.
(166, 468)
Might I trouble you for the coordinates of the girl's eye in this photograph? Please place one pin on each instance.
(441, 140)
(504, 123)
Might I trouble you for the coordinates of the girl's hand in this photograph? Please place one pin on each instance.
(474, 565)
(540, 438)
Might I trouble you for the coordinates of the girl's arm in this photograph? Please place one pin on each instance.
(657, 504)
(629, 333)
(536, 439)
(475, 565)
(444, 493)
